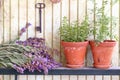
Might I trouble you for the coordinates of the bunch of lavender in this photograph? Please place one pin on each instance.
(31, 54)
(41, 59)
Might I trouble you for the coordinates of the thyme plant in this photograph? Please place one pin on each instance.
(74, 32)
(102, 29)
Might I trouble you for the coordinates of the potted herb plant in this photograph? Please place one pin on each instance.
(103, 44)
(73, 39)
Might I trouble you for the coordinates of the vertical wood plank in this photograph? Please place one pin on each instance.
(107, 77)
(9, 20)
(1, 28)
(65, 8)
(115, 78)
(6, 77)
(22, 77)
(73, 77)
(48, 77)
(1, 77)
(73, 10)
(65, 77)
(22, 17)
(40, 77)
(31, 19)
(31, 77)
(56, 77)
(81, 77)
(26, 16)
(6, 21)
(1, 22)
(90, 77)
(12, 77)
(14, 19)
(48, 23)
(99, 77)
(35, 1)
(115, 13)
(81, 10)
(119, 32)
(56, 25)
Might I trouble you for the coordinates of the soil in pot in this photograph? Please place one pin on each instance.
(75, 53)
(102, 53)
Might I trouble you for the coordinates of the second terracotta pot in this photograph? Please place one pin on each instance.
(75, 53)
(102, 53)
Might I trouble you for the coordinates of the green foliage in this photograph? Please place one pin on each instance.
(74, 32)
(11, 54)
(102, 28)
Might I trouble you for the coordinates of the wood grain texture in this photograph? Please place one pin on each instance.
(22, 17)
(40, 77)
(6, 77)
(56, 25)
(31, 77)
(115, 77)
(81, 77)
(15, 17)
(73, 77)
(56, 77)
(99, 77)
(48, 77)
(22, 77)
(65, 77)
(1, 77)
(90, 77)
(12, 77)
(1, 23)
(106, 77)
(6, 21)
(31, 18)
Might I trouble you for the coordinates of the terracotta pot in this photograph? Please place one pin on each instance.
(55, 1)
(75, 53)
(102, 53)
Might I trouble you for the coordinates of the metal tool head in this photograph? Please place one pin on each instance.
(40, 5)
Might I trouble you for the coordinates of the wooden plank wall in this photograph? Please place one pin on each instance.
(15, 13)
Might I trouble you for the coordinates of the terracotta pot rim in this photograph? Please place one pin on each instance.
(103, 41)
(74, 44)
(107, 43)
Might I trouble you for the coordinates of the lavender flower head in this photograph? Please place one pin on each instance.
(40, 54)
(41, 59)
(23, 30)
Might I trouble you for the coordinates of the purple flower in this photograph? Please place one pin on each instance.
(28, 24)
(41, 59)
(25, 28)
(22, 31)
(19, 69)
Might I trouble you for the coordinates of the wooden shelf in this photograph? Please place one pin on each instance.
(66, 71)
